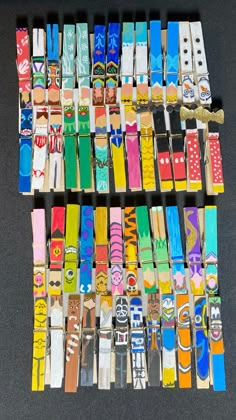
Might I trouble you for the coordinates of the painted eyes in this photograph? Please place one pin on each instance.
(69, 275)
(198, 319)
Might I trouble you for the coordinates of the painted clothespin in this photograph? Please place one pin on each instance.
(154, 339)
(194, 177)
(99, 64)
(193, 250)
(101, 151)
(175, 249)
(117, 149)
(210, 250)
(132, 149)
(56, 167)
(156, 62)
(56, 250)
(105, 342)
(127, 63)
(121, 342)
(101, 238)
(39, 344)
(160, 249)
(57, 341)
(86, 249)
(147, 151)
(53, 66)
(172, 63)
(177, 150)
(216, 344)
(88, 356)
(40, 148)
(25, 110)
(186, 63)
(145, 249)
(131, 250)
(71, 248)
(83, 78)
(38, 67)
(168, 341)
(116, 251)
(39, 252)
(72, 345)
(113, 49)
(201, 342)
(184, 348)
(213, 159)
(200, 64)
(141, 64)
(137, 343)
(68, 83)
(163, 150)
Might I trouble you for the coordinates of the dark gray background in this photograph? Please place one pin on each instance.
(16, 399)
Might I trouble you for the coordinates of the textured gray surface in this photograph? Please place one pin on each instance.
(16, 400)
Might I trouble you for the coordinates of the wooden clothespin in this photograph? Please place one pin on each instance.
(105, 342)
(39, 344)
(184, 348)
(121, 342)
(186, 63)
(71, 248)
(117, 149)
(154, 339)
(101, 150)
(175, 249)
(99, 64)
(72, 345)
(38, 67)
(86, 249)
(137, 343)
(113, 49)
(127, 63)
(201, 343)
(172, 63)
(53, 67)
(39, 252)
(156, 62)
(56, 250)
(88, 356)
(116, 251)
(57, 341)
(101, 238)
(131, 250)
(210, 250)
(168, 341)
(145, 249)
(132, 149)
(141, 64)
(147, 151)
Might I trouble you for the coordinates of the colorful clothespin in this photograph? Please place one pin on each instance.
(156, 62)
(101, 238)
(86, 249)
(168, 341)
(26, 117)
(99, 64)
(116, 251)
(127, 63)
(210, 250)
(160, 249)
(68, 64)
(177, 150)
(137, 343)
(184, 341)
(121, 342)
(145, 249)
(186, 63)
(88, 340)
(147, 151)
(117, 149)
(213, 159)
(53, 67)
(83, 78)
(216, 344)
(72, 345)
(56, 250)
(113, 49)
(40, 148)
(154, 339)
(194, 177)
(38, 67)
(39, 252)
(201, 342)
(71, 248)
(193, 250)
(172, 63)
(105, 340)
(56, 167)
(141, 68)
(57, 341)
(39, 344)
(131, 250)
(101, 151)
(175, 249)
(200, 64)
(132, 149)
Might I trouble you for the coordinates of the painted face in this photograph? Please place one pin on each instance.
(101, 282)
(116, 274)
(122, 310)
(131, 279)
(39, 282)
(26, 122)
(69, 275)
(184, 314)
(40, 313)
(73, 312)
(154, 306)
(200, 312)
